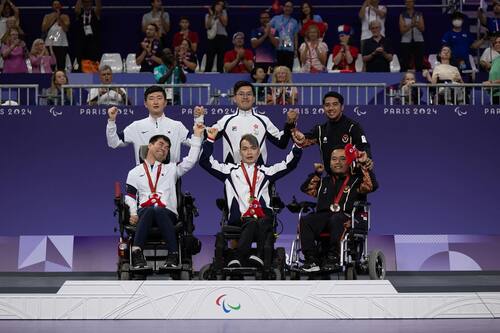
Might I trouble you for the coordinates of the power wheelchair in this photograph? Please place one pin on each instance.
(155, 250)
(353, 256)
(274, 259)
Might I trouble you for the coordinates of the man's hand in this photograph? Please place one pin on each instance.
(133, 219)
(379, 49)
(319, 168)
(299, 138)
(241, 54)
(364, 160)
(212, 133)
(292, 116)
(199, 111)
(112, 112)
(198, 129)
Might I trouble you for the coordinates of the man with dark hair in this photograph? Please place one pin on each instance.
(185, 33)
(246, 120)
(247, 193)
(239, 59)
(338, 130)
(151, 195)
(336, 194)
(149, 53)
(157, 16)
(264, 42)
(140, 131)
(287, 29)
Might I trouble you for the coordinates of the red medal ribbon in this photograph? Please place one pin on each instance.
(155, 198)
(254, 209)
(336, 200)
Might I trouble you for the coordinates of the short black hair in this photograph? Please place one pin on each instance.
(334, 94)
(157, 137)
(241, 84)
(251, 139)
(154, 89)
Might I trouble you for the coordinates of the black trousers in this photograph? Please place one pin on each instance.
(411, 50)
(216, 46)
(259, 230)
(60, 53)
(164, 219)
(285, 58)
(312, 225)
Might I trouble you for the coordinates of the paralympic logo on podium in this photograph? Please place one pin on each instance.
(226, 307)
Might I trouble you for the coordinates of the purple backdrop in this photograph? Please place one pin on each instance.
(436, 166)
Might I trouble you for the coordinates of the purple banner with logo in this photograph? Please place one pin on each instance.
(437, 168)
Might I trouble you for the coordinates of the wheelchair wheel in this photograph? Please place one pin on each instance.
(277, 274)
(279, 263)
(294, 275)
(376, 265)
(206, 272)
(350, 273)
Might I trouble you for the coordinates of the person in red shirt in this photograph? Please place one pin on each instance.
(185, 33)
(344, 54)
(239, 59)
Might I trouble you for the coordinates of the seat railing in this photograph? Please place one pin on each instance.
(19, 94)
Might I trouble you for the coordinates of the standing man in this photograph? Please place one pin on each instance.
(151, 195)
(157, 16)
(246, 120)
(239, 59)
(338, 130)
(140, 131)
(264, 42)
(287, 28)
(88, 26)
(149, 53)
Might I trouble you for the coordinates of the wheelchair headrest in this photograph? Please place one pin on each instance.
(143, 153)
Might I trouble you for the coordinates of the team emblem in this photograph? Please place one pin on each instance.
(345, 138)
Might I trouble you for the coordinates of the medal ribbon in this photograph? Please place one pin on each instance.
(155, 198)
(254, 180)
(341, 190)
(254, 208)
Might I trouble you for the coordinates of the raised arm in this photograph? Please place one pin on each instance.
(190, 160)
(218, 170)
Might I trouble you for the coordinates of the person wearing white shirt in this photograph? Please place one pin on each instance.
(107, 96)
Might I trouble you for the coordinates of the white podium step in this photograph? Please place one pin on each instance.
(363, 299)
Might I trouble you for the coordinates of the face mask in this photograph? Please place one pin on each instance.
(457, 23)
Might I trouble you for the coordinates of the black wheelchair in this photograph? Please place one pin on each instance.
(274, 259)
(353, 258)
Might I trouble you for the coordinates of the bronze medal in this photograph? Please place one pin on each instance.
(335, 208)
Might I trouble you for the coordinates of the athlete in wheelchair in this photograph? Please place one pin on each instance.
(333, 237)
(250, 210)
(154, 214)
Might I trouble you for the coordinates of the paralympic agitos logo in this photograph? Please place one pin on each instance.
(226, 307)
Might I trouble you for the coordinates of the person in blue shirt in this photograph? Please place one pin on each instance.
(287, 29)
(460, 41)
(492, 23)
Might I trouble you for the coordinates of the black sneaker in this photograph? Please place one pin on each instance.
(138, 259)
(331, 263)
(310, 266)
(234, 263)
(172, 260)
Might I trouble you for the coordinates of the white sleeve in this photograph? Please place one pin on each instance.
(131, 198)
(190, 160)
(112, 137)
(485, 55)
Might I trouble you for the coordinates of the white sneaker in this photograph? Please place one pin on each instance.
(234, 263)
(256, 260)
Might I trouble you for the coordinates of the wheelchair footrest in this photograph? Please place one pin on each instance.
(166, 270)
(141, 270)
(241, 270)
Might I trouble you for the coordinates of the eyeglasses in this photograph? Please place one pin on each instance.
(245, 94)
(373, 28)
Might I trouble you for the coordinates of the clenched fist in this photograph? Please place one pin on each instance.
(112, 112)
(212, 133)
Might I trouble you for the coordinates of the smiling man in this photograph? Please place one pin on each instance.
(338, 130)
(247, 193)
(140, 131)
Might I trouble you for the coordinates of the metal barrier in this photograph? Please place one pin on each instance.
(133, 94)
(312, 93)
(18, 94)
(447, 94)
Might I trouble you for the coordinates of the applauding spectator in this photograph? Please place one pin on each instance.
(411, 26)
(14, 53)
(186, 58)
(157, 16)
(185, 33)
(344, 54)
(239, 59)
(41, 59)
(88, 26)
(148, 56)
(371, 11)
(377, 53)
(490, 53)
(55, 25)
(7, 10)
(264, 42)
(492, 23)
(170, 73)
(215, 23)
(107, 96)
(287, 29)
(313, 52)
(284, 95)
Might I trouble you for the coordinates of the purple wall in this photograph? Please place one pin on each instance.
(437, 170)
